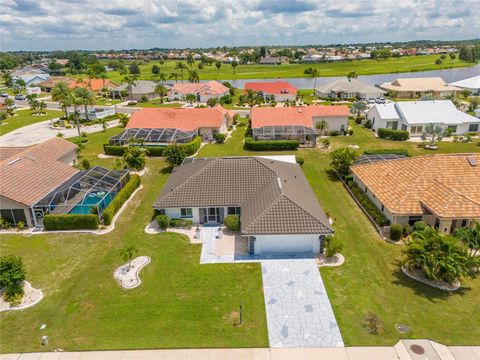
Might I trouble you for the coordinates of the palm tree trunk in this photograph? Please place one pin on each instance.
(86, 112)
(77, 120)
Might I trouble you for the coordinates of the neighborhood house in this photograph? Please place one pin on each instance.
(442, 190)
(277, 90)
(418, 87)
(471, 84)
(202, 91)
(160, 126)
(348, 89)
(413, 116)
(277, 207)
(297, 123)
(94, 85)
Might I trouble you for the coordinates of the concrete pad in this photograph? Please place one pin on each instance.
(100, 355)
(401, 351)
(71, 355)
(30, 356)
(143, 355)
(10, 356)
(442, 351)
(51, 356)
(465, 352)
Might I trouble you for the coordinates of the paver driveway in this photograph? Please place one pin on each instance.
(299, 313)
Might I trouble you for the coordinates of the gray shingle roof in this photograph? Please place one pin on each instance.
(275, 196)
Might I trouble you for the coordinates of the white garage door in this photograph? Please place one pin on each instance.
(286, 243)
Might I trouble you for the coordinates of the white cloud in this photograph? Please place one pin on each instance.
(93, 24)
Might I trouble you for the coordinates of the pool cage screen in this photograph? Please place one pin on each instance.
(88, 192)
(152, 136)
(285, 132)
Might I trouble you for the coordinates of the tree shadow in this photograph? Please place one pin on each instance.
(331, 175)
(166, 170)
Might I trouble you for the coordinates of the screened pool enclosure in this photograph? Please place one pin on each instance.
(286, 132)
(152, 136)
(88, 192)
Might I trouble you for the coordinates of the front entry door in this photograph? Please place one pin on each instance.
(212, 215)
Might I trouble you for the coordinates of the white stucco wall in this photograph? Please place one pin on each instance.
(174, 213)
(7, 204)
(287, 243)
(334, 122)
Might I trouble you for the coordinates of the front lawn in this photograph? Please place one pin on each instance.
(24, 118)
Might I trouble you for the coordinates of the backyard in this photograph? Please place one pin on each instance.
(24, 118)
(183, 304)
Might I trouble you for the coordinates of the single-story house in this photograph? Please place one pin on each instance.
(94, 85)
(41, 180)
(160, 126)
(413, 116)
(278, 210)
(472, 84)
(30, 75)
(203, 91)
(411, 88)
(348, 89)
(296, 123)
(443, 189)
(140, 89)
(48, 84)
(277, 90)
(273, 60)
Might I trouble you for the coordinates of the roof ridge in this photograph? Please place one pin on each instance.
(304, 210)
(259, 216)
(455, 191)
(407, 193)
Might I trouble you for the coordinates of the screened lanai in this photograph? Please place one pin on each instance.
(152, 136)
(285, 132)
(88, 192)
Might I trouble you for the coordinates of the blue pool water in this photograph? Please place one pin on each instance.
(90, 200)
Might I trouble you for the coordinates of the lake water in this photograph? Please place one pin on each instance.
(449, 75)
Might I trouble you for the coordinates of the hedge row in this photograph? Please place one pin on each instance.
(181, 223)
(70, 222)
(367, 204)
(387, 151)
(269, 145)
(122, 196)
(397, 135)
(190, 148)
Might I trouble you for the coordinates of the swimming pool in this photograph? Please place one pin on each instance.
(93, 199)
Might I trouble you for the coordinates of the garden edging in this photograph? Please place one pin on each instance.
(432, 283)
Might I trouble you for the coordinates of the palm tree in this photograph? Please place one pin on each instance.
(174, 75)
(470, 236)
(161, 90)
(474, 101)
(193, 76)
(76, 102)
(358, 107)
(131, 81)
(60, 93)
(180, 66)
(162, 77)
(104, 77)
(435, 132)
(190, 60)
(127, 254)
(190, 98)
(134, 157)
(234, 65)
(218, 65)
(86, 97)
(322, 126)
(314, 74)
(352, 75)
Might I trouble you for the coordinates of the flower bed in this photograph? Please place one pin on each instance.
(31, 297)
(129, 278)
(418, 275)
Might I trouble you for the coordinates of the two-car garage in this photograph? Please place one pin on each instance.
(291, 243)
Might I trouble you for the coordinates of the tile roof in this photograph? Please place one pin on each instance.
(32, 173)
(208, 88)
(275, 87)
(141, 87)
(299, 115)
(446, 184)
(49, 83)
(185, 119)
(9, 151)
(419, 84)
(275, 196)
(92, 84)
(348, 85)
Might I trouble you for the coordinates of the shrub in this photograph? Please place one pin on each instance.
(70, 222)
(86, 164)
(212, 102)
(190, 148)
(270, 145)
(155, 150)
(135, 158)
(181, 223)
(174, 155)
(122, 196)
(193, 146)
(325, 143)
(333, 246)
(341, 160)
(350, 132)
(220, 138)
(403, 152)
(420, 226)
(236, 119)
(367, 204)
(162, 221)
(113, 150)
(396, 135)
(358, 120)
(226, 99)
(300, 160)
(232, 222)
(12, 270)
(407, 230)
(368, 124)
(20, 226)
(144, 99)
(396, 232)
(334, 133)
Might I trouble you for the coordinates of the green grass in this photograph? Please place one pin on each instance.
(106, 102)
(24, 118)
(362, 67)
(156, 104)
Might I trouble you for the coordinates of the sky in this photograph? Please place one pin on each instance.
(142, 24)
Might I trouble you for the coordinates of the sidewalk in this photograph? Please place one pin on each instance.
(401, 351)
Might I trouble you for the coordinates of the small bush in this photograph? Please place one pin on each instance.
(181, 223)
(122, 196)
(270, 145)
(219, 138)
(21, 226)
(155, 150)
(358, 120)
(114, 150)
(162, 221)
(420, 226)
(367, 204)
(70, 222)
(396, 232)
(12, 270)
(232, 222)
(334, 133)
(350, 132)
(300, 160)
(403, 152)
(407, 230)
(86, 164)
(144, 99)
(368, 124)
(333, 246)
(325, 143)
(396, 135)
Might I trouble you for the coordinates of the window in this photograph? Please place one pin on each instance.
(404, 127)
(416, 129)
(383, 208)
(186, 212)
(342, 127)
(473, 128)
(452, 128)
(393, 125)
(161, 211)
(413, 219)
(233, 210)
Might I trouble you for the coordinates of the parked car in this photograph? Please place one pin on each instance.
(371, 101)
(20, 97)
(4, 94)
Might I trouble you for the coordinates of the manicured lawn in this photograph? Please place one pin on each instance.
(362, 67)
(106, 102)
(24, 118)
(156, 104)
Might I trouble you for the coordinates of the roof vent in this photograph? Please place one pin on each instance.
(472, 160)
(14, 161)
(279, 182)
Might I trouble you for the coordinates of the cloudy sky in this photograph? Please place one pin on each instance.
(126, 24)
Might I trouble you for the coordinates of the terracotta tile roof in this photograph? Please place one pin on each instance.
(92, 84)
(275, 196)
(30, 174)
(446, 184)
(300, 115)
(275, 87)
(209, 88)
(185, 119)
(9, 151)
(419, 84)
(49, 83)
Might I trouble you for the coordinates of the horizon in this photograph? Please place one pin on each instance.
(27, 25)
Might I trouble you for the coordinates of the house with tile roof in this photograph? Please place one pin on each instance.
(296, 122)
(279, 91)
(278, 209)
(203, 91)
(94, 85)
(413, 116)
(443, 189)
(412, 88)
(48, 84)
(348, 89)
(141, 88)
